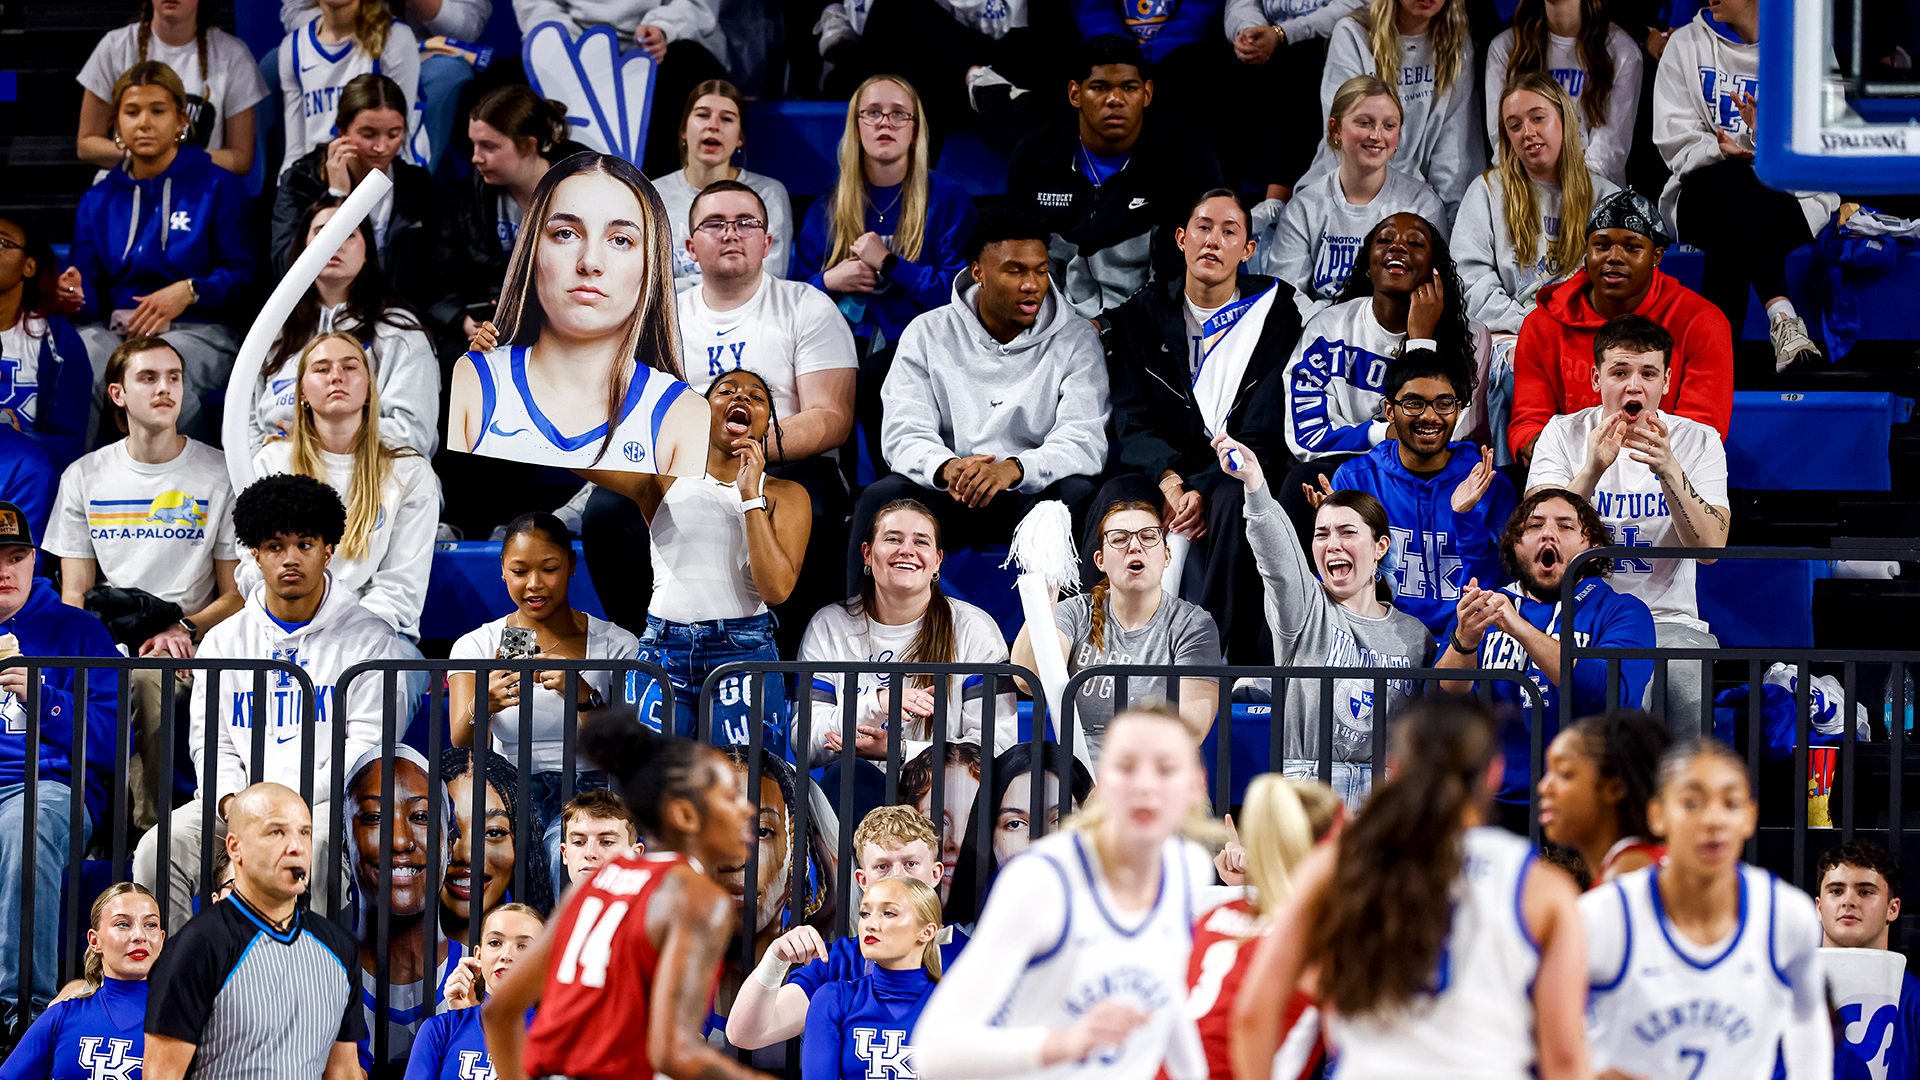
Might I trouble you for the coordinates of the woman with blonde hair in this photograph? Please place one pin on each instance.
(1316, 236)
(1596, 62)
(1423, 49)
(886, 242)
(391, 494)
(851, 1020)
(222, 76)
(712, 130)
(104, 1022)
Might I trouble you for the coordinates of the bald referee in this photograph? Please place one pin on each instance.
(255, 988)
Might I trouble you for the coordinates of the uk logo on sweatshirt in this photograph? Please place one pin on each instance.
(1720, 90)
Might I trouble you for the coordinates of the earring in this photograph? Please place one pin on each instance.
(936, 575)
(180, 136)
(117, 144)
(866, 571)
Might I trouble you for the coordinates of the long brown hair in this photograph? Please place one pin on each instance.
(1450, 39)
(372, 457)
(519, 113)
(93, 969)
(1383, 915)
(653, 335)
(370, 298)
(364, 93)
(1576, 184)
(202, 22)
(1530, 52)
(847, 218)
(717, 88)
(934, 644)
(1097, 630)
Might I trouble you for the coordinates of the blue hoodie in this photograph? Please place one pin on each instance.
(86, 1037)
(860, 1029)
(27, 478)
(916, 287)
(1435, 551)
(131, 237)
(1160, 26)
(54, 407)
(1603, 619)
(47, 627)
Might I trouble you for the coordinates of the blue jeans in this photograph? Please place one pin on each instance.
(52, 837)
(546, 816)
(691, 651)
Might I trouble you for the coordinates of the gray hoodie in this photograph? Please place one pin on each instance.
(954, 391)
(1310, 630)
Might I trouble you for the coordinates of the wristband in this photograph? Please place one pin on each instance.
(771, 971)
(1454, 640)
(758, 502)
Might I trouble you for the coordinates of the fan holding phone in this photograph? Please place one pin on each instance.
(536, 562)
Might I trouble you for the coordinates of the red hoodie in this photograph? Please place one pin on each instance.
(1553, 360)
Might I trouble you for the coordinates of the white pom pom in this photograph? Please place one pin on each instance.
(1043, 545)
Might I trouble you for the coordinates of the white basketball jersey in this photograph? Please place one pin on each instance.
(1477, 1021)
(1140, 960)
(1665, 1008)
(513, 427)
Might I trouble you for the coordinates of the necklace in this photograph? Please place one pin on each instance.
(881, 215)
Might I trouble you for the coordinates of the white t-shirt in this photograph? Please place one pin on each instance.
(20, 373)
(605, 641)
(1630, 500)
(1196, 317)
(152, 527)
(231, 85)
(787, 330)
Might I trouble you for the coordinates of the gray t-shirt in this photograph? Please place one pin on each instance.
(1179, 633)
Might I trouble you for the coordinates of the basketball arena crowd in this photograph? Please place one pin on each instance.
(1325, 334)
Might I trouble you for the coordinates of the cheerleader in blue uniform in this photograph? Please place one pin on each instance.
(452, 1046)
(100, 1032)
(859, 1027)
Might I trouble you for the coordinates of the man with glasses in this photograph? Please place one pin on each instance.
(1445, 501)
(1655, 478)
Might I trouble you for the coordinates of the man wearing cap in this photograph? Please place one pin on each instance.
(33, 622)
(1553, 360)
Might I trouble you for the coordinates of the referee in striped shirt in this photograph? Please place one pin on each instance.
(255, 987)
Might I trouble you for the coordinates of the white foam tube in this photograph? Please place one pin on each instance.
(243, 386)
(1036, 603)
(1177, 547)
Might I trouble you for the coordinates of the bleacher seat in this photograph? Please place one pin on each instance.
(1813, 441)
(799, 142)
(1889, 306)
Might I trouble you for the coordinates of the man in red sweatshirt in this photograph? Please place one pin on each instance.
(1553, 360)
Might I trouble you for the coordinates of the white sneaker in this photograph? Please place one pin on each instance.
(1791, 345)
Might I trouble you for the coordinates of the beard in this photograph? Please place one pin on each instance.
(1537, 586)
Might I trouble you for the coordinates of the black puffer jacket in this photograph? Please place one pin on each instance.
(416, 205)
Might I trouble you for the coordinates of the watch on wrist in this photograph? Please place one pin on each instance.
(758, 502)
(887, 264)
(1020, 466)
(594, 700)
(192, 629)
(193, 291)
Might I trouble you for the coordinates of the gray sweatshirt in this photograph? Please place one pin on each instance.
(1302, 20)
(1315, 239)
(954, 391)
(1438, 143)
(1500, 290)
(1310, 630)
(679, 20)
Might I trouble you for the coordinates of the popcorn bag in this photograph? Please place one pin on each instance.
(1820, 765)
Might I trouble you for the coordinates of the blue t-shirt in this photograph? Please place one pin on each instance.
(100, 1035)
(283, 624)
(1099, 168)
(859, 1029)
(845, 964)
(452, 1046)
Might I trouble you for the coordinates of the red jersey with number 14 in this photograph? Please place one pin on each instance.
(1224, 940)
(592, 1020)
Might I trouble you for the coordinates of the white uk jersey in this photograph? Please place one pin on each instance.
(1665, 1008)
(1477, 1021)
(1097, 958)
(513, 427)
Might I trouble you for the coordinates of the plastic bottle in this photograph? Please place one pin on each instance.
(1886, 697)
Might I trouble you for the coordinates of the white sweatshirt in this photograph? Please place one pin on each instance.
(835, 634)
(679, 20)
(391, 579)
(1300, 20)
(1499, 289)
(405, 370)
(1607, 144)
(1693, 88)
(1437, 142)
(1317, 236)
(341, 634)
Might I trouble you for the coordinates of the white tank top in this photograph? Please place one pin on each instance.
(1140, 960)
(700, 562)
(1478, 1020)
(513, 427)
(1673, 1008)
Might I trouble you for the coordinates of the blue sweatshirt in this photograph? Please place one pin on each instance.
(1435, 551)
(916, 287)
(27, 479)
(1889, 1044)
(451, 1046)
(845, 964)
(1160, 26)
(131, 237)
(85, 1038)
(52, 406)
(47, 627)
(1603, 619)
(859, 1029)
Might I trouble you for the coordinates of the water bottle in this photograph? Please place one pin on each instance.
(1886, 697)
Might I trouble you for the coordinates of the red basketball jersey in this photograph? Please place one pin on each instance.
(1224, 940)
(592, 1020)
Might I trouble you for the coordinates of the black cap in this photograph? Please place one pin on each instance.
(13, 526)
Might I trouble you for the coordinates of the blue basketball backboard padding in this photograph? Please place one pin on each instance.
(9, 86)
(1875, 157)
(1768, 448)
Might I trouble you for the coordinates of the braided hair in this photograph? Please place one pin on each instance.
(773, 408)
(1097, 628)
(504, 779)
(202, 22)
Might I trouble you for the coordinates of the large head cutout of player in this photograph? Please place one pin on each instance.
(587, 372)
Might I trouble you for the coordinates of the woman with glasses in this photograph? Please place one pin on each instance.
(1334, 610)
(1129, 619)
(886, 242)
(712, 130)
